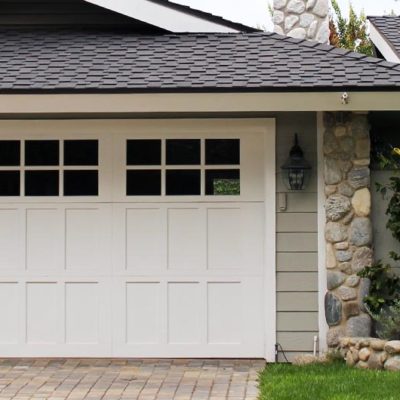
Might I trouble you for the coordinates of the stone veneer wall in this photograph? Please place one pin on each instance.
(371, 353)
(302, 19)
(348, 231)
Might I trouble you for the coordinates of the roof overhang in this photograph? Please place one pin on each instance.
(164, 16)
(192, 103)
(383, 45)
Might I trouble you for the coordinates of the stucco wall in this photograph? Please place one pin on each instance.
(297, 258)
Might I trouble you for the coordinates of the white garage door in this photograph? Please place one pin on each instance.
(132, 239)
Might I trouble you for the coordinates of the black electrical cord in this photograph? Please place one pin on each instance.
(277, 347)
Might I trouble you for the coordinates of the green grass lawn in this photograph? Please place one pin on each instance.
(327, 382)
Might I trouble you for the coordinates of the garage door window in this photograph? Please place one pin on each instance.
(183, 167)
(49, 168)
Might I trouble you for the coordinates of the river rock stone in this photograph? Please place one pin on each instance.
(291, 21)
(361, 231)
(341, 246)
(297, 33)
(279, 17)
(361, 202)
(330, 257)
(337, 206)
(345, 267)
(344, 255)
(312, 30)
(393, 347)
(362, 258)
(347, 146)
(393, 364)
(332, 172)
(377, 344)
(333, 336)
(335, 279)
(278, 4)
(347, 294)
(363, 148)
(296, 6)
(375, 361)
(321, 8)
(352, 281)
(333, 309)
(359, 177)
(364, 354)
(351, 309)
(310, 5)
(306, 19)
(335, 232)
(365, 285)
(359, 326)
(345, 189)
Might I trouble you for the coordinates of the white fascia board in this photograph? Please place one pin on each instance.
(162, 16)
(195, 102)
(382, 45)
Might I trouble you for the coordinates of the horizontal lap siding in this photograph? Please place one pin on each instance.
(297, 243)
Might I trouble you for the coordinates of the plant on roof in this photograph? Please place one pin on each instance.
(349, 33)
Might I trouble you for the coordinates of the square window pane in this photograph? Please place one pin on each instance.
(81, 152)
(9, 183)
(41, 183)
(183, 182)
(223, 182)
(183, 152)
(81, 183)
(143, 152)
(143, 183)
(222, 151)
(10, 152)
(42, 152)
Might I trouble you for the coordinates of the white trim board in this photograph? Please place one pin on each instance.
(383, 45)
(162, 16)
(79, 104)
(322, 274)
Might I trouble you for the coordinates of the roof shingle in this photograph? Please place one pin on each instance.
(104, 60)
(389, 27)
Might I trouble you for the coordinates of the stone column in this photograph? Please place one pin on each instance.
(302, 19)
(348, 230)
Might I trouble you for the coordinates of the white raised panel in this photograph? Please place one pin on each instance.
(9, 312)
(42, 322)
(82, 313)
(44, 236)
(224, 238)
(9, 239)
(145, 238)
(87, 239)
(184, 310)
(225, 317)
(186, 238)
(143, 313)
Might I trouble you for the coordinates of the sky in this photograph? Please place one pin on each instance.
(255, 12)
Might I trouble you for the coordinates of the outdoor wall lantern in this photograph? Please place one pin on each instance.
(296, 171)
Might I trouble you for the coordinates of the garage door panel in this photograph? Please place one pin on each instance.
(143, 313)
(146, 240)
(11, 233)
(82, 310)
(87, 239)
(43, 313)
(186, 238)
(9, 313)
(44, 239)
(184, 313)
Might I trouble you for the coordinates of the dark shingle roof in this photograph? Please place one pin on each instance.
(71, 60)
(389, 27)
(206, 15)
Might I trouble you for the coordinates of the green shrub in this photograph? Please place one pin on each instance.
(388, 322)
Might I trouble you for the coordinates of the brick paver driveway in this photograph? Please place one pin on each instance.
(129, 379)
